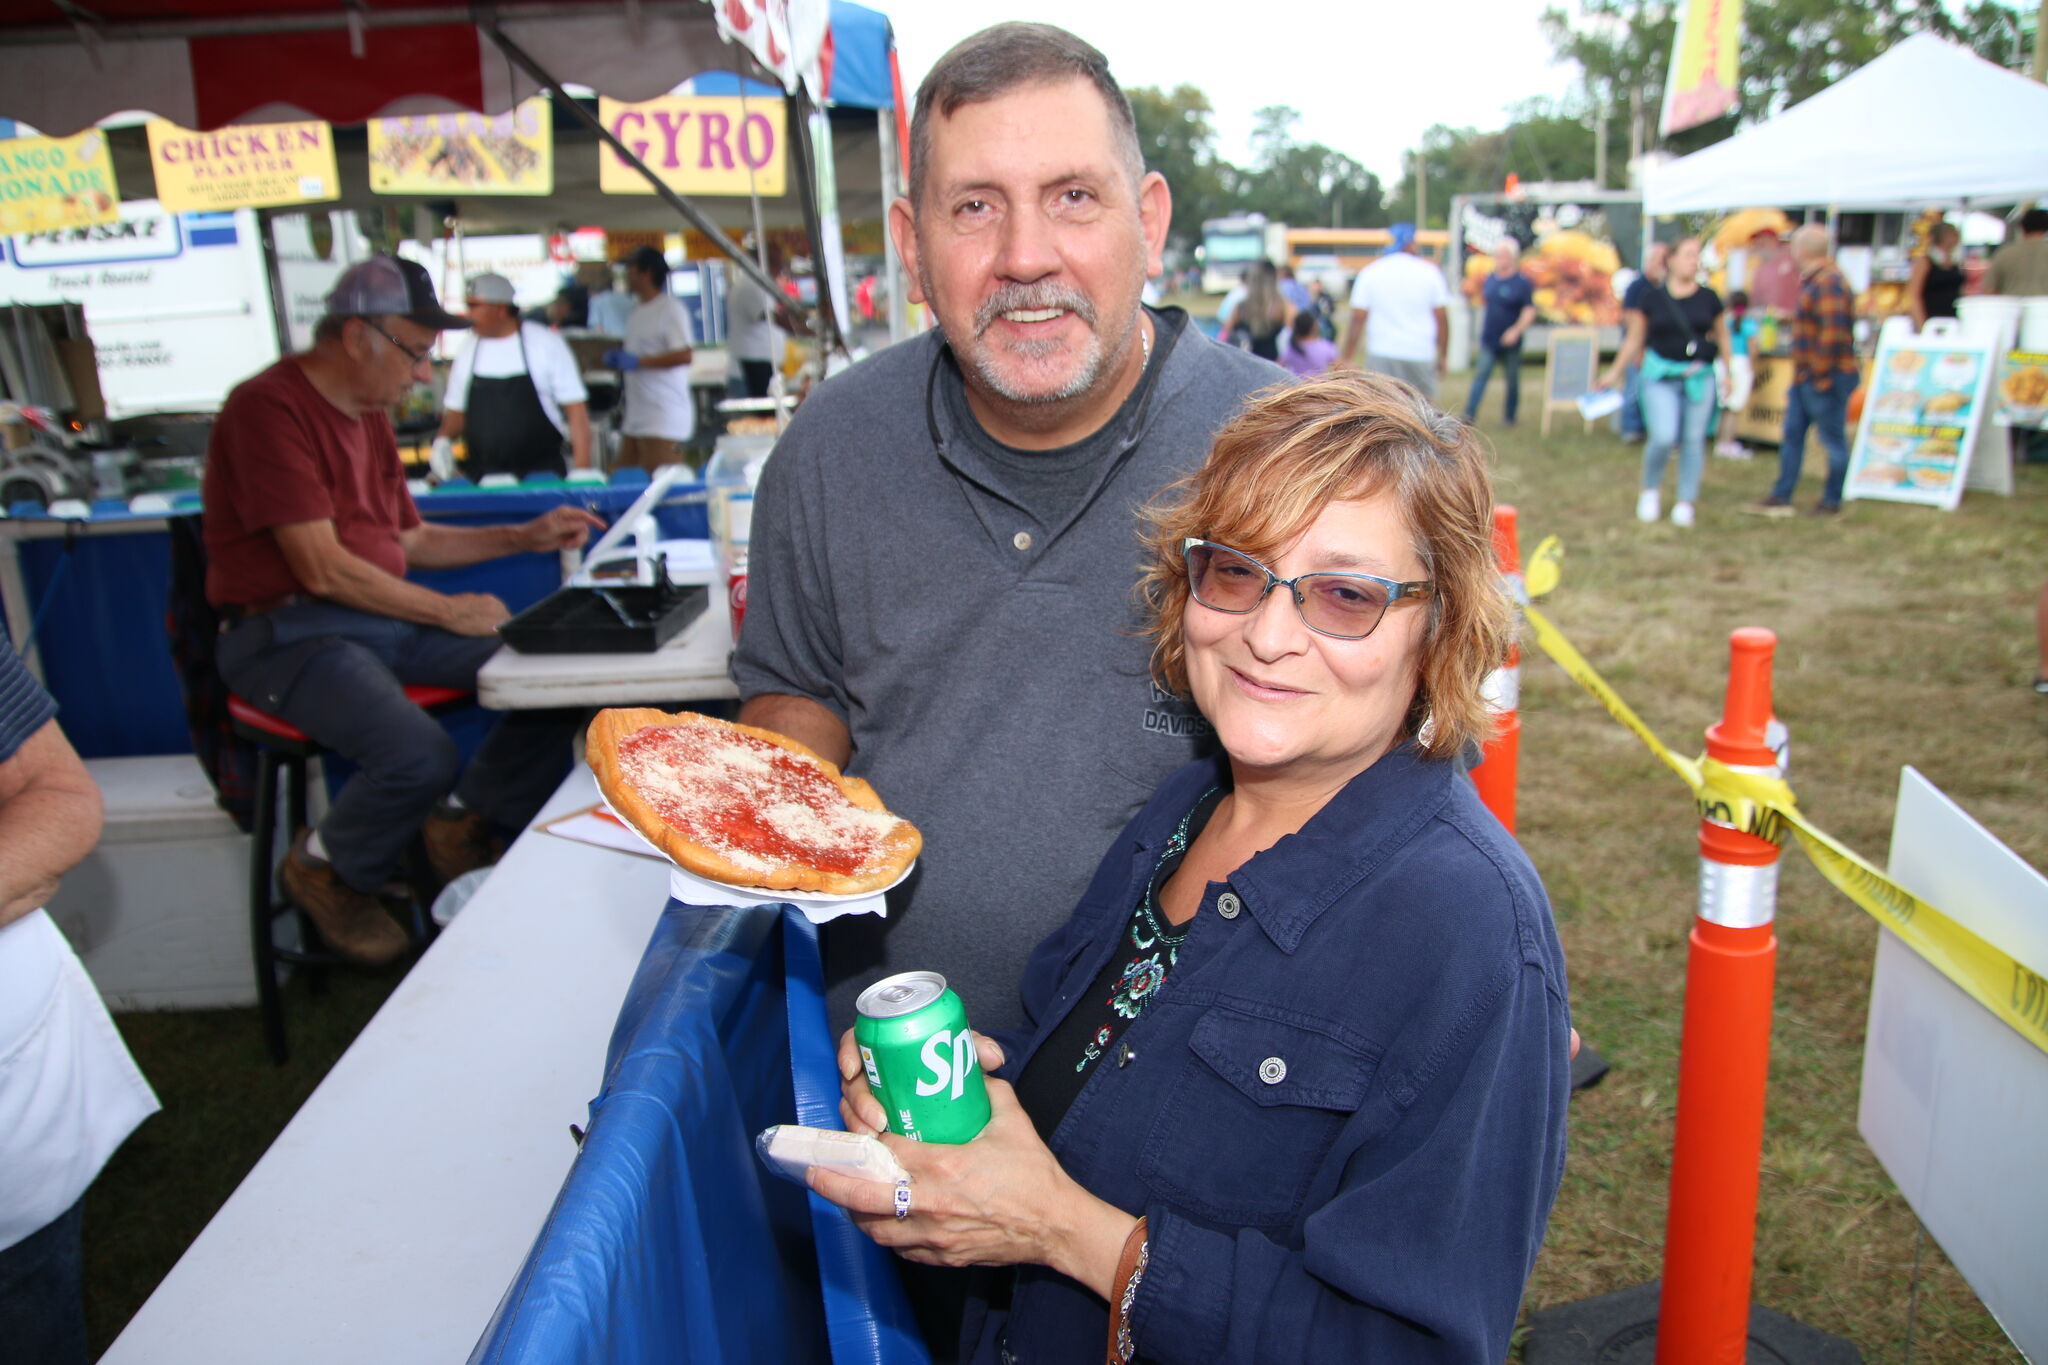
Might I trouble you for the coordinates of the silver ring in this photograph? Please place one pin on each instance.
(903, 1198)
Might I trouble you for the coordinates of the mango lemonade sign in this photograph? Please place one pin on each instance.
(48, 183)
(513, 153)
(697, 144)
(252, 166)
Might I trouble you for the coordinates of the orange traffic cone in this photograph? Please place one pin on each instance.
(1700, 1314)
(1500, 761)
(1725, 1048)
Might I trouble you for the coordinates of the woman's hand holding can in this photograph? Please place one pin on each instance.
(859, 1110)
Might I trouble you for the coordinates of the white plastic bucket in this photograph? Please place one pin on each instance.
(2034, 325)
(1990, 320)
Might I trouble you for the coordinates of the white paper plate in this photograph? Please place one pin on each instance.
(818, 906)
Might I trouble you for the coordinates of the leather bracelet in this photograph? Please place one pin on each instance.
(1130, 1269)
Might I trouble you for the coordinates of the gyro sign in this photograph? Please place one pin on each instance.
(697, 144)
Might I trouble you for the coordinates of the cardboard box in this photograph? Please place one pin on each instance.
(81, 368)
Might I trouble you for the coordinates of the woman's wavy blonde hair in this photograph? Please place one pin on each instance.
(1295, 449)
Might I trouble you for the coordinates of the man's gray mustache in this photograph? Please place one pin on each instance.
(1012, 298)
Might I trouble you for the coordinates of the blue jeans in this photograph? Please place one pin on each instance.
(1827, 412)
(42, 1316)
(1673, 420)
(340, 675)
(1631, 417)
(1509, 358)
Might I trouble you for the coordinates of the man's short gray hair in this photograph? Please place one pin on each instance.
(1002, 58)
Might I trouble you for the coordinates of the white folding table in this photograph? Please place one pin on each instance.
(390, 1215)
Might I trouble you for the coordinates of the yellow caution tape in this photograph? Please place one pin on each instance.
(1750, 802)
(1764, 806)
(1546, 566)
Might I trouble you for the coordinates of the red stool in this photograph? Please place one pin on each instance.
(283, 747)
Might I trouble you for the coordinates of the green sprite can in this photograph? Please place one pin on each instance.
(920, 1059)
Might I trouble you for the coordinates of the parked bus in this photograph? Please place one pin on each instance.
(1336, 255)
(1230, 245)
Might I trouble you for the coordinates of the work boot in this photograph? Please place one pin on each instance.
(352, 923)
(459, 841)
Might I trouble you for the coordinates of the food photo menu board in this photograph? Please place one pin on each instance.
(1920, 417)
(2022, 398)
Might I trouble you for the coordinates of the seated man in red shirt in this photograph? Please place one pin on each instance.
(309, 532)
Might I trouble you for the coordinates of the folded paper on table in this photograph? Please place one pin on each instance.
(599, 826)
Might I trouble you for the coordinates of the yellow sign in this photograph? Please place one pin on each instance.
(1702, 83)
(242, 166)
(56, 182)
(697, 144)
(446, 154)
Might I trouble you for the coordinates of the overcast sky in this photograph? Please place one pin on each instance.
(1367, 77)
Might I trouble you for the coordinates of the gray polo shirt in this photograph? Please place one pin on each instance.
(982, 659)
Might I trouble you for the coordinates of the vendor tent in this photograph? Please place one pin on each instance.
(207, 63)
(1926, 123)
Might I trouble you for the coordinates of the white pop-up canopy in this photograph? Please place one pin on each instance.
(1926, 123)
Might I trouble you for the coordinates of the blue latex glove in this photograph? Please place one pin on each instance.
(622, 360)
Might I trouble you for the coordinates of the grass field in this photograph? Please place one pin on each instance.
(1905, 636)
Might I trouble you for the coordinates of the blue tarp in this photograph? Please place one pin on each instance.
(861, 43)
(100, 594)
(858, 76)
(669, 1240)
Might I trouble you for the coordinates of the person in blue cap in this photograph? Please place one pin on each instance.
(1400, 305)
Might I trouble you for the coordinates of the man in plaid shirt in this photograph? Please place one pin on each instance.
(1824, 375)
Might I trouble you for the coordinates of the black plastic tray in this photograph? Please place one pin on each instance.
(624, 620)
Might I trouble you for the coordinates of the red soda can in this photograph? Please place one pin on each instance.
(736, 593)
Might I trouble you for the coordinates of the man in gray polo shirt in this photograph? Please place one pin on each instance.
(944, 544)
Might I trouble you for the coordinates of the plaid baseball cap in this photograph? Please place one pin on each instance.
(391, 284)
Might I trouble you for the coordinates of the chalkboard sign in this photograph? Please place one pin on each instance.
(1572, 365)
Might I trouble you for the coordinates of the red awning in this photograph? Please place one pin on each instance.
(204, 63)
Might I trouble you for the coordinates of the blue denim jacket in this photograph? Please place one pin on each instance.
(1344, 1114)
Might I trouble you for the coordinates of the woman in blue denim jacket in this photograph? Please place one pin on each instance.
(1294, 1081)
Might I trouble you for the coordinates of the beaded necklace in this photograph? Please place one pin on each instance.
(1154, 945)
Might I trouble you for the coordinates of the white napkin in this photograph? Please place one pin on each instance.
(1594, 406)
(817, 907)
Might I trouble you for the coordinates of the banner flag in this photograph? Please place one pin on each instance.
(1702, 84)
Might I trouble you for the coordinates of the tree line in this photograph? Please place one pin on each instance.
(1790, 49)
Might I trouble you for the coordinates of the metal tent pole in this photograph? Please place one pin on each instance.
(690, 212)
(830, 335)
(892, 264)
